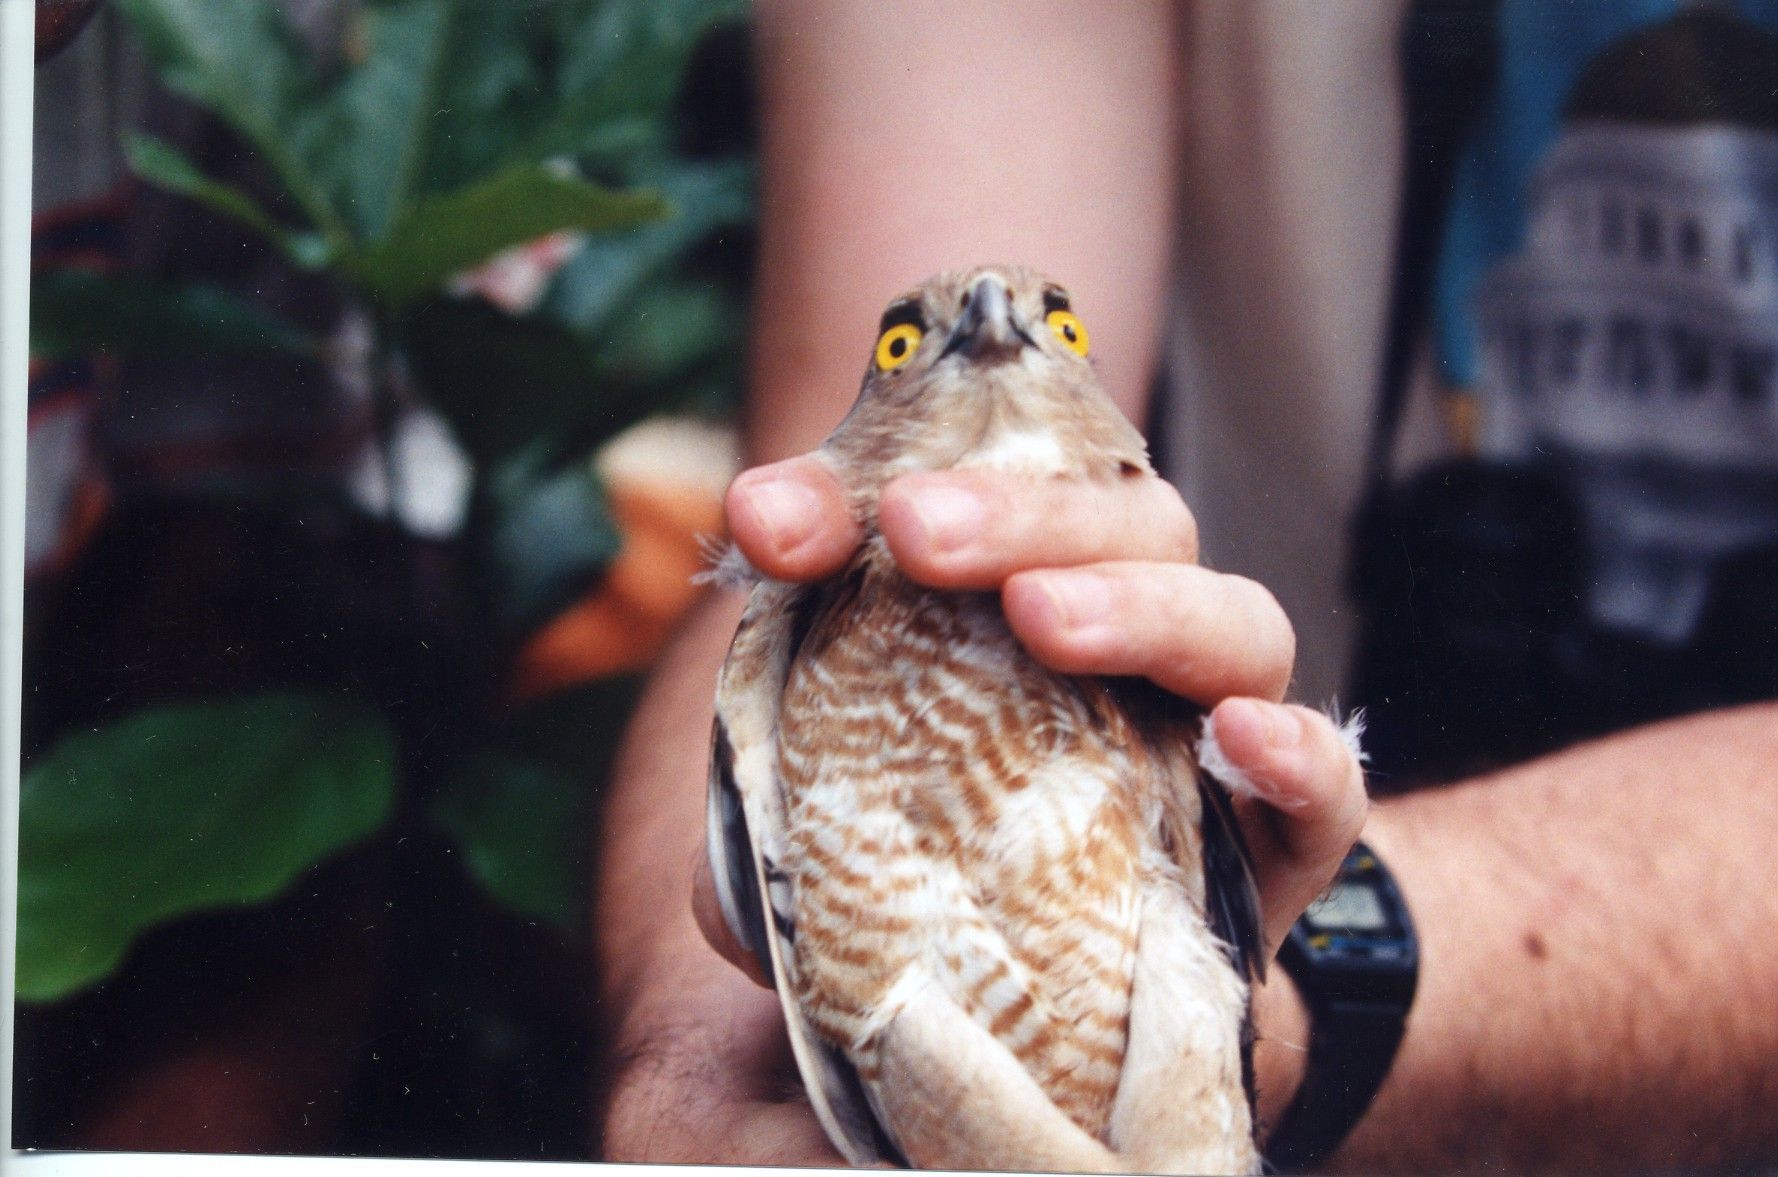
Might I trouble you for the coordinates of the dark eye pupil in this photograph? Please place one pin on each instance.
(1068, 331)
(898, 347)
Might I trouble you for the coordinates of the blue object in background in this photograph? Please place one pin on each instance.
(1545, 46)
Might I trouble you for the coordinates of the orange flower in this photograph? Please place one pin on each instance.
(665, 479)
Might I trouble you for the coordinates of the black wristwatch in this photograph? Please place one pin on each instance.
(1355, 960)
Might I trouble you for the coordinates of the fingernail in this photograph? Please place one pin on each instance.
(1275, 729)
(1234, 716)
(1078, 600)
(785, 510)
(1283, 727)
(1283, 732)
(950, 517)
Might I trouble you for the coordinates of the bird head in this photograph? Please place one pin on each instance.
(982, 367)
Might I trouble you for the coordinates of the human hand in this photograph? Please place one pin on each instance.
(1095, 578)
(1098, 578)
(714, 1083)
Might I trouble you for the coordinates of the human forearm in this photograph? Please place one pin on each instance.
(900, 142)
(1598, 971)
(685, 1031)
(653, 819)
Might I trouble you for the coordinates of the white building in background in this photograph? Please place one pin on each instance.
(1634, 341)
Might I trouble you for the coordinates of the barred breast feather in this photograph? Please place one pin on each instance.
(938, 812)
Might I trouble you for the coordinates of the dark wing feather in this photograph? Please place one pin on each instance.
(1231, 901)
(744, 816)
(1231, 897)
(731, 852)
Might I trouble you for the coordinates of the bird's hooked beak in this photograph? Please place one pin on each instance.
(989, 328)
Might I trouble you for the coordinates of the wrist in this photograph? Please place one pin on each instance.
(1280, 1048)
(1353, 957)
(704, 1007)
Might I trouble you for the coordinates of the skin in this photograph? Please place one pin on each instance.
(1598, 966)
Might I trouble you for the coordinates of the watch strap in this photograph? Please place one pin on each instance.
(1350, 1048)
(1358, 982)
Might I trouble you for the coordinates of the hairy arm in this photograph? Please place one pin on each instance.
(1599, 972)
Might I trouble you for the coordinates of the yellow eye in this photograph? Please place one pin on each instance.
(896, 346)
(1069, 329)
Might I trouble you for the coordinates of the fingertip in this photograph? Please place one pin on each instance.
(1244, 728)
(1031, 611)
(1293, 753)
(1308, 802)
(933, 524)
(791, 519)
(1028, 604)
(1247, 746)
(1316, 774)
(1053, 614)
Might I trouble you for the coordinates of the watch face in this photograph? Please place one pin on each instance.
(1349, 909)
(1356, 943)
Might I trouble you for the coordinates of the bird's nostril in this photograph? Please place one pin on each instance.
(966, 300)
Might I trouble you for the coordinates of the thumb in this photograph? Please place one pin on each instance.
(707, 910)
(792, 519)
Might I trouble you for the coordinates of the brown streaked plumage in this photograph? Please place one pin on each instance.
(1010, 924)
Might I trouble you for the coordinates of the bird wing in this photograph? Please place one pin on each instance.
(960, 1099)
(1231, 903)
(746, 830)
(1185, 1095)
(1231, 896)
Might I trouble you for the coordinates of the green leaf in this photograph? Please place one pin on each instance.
(160, 164)
(497, 92)
(665, 333)
(549, 534)
(77, 313)
(620, 60)
(442, 235)
(523, 830)
(183, 809)
(508, 384)
(522, 806)
(609, 270)
(243, 63)
(504, 383)
(382, 114)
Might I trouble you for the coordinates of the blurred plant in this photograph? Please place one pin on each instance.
(447, 132)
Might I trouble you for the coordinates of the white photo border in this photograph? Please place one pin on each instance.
(17, 27)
